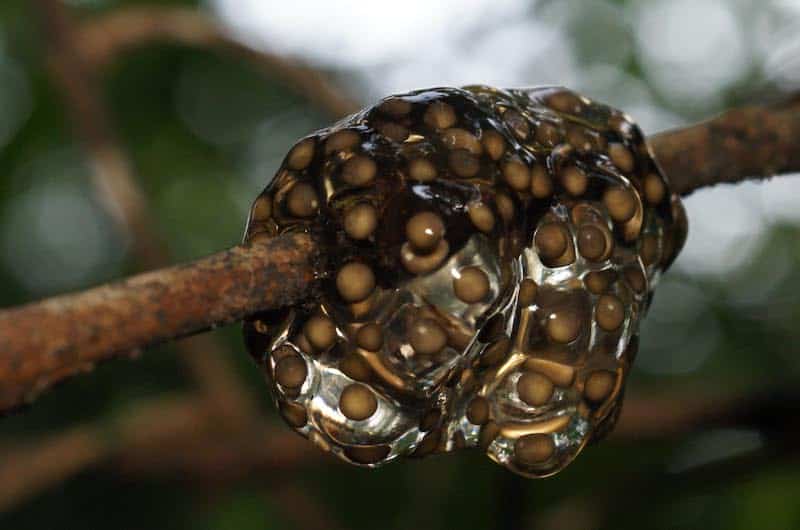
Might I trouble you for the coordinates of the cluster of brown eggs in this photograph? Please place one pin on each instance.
(489, 255)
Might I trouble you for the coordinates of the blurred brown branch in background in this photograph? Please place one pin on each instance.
(103, 38)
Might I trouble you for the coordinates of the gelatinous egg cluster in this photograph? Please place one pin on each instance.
(488, 256)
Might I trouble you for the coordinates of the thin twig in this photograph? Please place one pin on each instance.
(104, 37)
(753, 142)
(47, 341)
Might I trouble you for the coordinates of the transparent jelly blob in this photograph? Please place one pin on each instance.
(488, 256)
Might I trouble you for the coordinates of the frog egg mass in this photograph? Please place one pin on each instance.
(488, 256)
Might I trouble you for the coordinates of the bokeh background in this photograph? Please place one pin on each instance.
(204, 124)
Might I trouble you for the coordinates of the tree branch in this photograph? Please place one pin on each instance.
(753, 142)
(47, 341)
(104, 37)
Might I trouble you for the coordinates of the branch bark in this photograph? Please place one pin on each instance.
(44, 342)
(752, 142)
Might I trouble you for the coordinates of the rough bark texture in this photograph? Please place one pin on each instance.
(753, 142)
(44, 342)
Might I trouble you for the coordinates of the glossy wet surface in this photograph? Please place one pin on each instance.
(490, 255)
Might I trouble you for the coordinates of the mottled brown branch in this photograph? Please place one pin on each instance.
(44, 342)
(115, 182)
(751, 142)
(103, 38)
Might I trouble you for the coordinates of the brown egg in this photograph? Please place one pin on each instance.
(393, 131)
(395, 107)
(594, 242)
(654, 189)
(478, 411)
(574, 180)
(621, 157)
(301, 155)
(541, 184)
(423, 263)
(355, 282)
(494, 144)
(547, 134)
(462, 139)
(463, 163)
(302, 200)
(357, 402)
(565, 101)
(581, 139)
(597, 282)
(481, 216)
(552, 240)
(370, 337)
(427, 337)
(355, 367)
(599, 385)
(341, 141)
(649, 249)
(471, 285)
(620, 202)
(424, 231)
(609, 312)
(359, 171)
(517, 175)
(563, 326)
(440, 115)
(505, 207)
(262, 208)
(635, 278)
(291, 371)
(534, 449)
(360, 221)
(422, 170)
(534, 389)
(496, 352)
(320, 332)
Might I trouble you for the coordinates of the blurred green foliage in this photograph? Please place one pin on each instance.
(205, 132)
